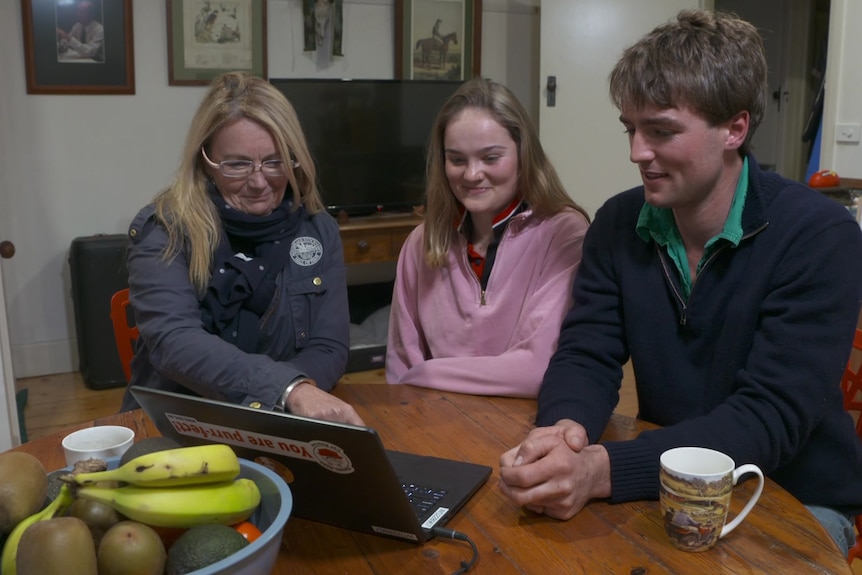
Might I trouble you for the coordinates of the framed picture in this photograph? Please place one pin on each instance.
(438, 39)
(78, 47)
(208, 37)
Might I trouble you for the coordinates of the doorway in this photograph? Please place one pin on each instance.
(794, 36)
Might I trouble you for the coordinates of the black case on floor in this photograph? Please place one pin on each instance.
(97, 265)
(363, 300)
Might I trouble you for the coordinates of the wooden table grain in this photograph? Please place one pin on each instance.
(779, 536)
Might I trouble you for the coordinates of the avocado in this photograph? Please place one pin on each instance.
(203, 545)
(147, 445)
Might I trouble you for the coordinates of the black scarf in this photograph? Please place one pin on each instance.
(250, 256)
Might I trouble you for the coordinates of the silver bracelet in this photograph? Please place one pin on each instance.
(282, 402)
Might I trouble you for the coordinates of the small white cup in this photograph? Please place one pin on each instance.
(99, 442)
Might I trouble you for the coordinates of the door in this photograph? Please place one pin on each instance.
(788, 40)
(581, 40)
(9, 432)
(769, 18)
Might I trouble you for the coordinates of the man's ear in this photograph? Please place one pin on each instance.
(737, 130)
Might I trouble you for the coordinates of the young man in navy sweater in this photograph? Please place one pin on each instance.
(734, 292)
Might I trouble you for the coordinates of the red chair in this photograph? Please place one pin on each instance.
(124, 333)
(851, 384)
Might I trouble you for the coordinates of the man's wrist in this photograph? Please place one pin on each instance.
(281, 404)
(601, 470)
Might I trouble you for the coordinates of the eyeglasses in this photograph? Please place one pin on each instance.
(245, 168)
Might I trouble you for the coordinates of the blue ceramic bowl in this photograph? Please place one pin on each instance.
(276, 502)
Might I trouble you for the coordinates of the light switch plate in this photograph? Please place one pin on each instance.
(849, 133)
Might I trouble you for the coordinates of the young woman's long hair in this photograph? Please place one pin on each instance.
(185, 208)
(538, 182)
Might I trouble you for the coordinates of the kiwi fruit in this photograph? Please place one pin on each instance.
(98, 516)
(59, 545)
(23, 487)
(131, 548)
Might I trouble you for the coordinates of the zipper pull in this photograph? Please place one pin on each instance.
(683, 319)
(482, 298)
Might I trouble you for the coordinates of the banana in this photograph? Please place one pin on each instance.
(227, 502)
(174, 467)
(10, 550)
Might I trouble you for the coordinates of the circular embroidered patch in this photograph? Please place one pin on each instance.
(306, 251)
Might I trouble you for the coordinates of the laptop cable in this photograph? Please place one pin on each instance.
(452, 534)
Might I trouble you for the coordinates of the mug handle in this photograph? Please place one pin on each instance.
(737, 473)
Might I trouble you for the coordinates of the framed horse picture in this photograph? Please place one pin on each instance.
(438, 39)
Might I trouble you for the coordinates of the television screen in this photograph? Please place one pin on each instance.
(368, 138)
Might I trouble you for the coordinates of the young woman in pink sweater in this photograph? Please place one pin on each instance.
(483, 284)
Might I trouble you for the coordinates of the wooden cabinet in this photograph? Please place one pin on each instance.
(376, 238)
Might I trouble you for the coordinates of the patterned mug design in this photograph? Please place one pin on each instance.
(695, 490)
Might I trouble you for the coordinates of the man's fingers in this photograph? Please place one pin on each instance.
(576, 437)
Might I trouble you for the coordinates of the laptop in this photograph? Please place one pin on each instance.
(339, 474)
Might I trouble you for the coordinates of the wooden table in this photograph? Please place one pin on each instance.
(779, 536)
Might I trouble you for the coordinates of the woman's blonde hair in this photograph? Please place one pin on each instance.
(185, 209)
(538, 183)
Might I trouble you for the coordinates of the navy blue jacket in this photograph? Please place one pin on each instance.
(305, 331)
(749, 365)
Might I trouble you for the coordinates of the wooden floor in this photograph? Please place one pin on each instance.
(57, 402)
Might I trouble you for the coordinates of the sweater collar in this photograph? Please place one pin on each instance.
(658, 224)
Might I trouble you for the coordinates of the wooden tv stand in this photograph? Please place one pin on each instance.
(375, 238)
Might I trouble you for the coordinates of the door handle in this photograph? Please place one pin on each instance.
(780, 95)
(552, 91)
(7, 249)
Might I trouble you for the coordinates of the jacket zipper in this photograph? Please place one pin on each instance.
(669, 279)
(465, 262)
(683, 320)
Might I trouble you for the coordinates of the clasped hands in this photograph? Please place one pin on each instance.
(555, 471)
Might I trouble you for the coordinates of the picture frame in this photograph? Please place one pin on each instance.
(455, 52)
(207, 38)
(58, 62)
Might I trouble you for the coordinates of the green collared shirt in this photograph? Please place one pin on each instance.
(659, 225)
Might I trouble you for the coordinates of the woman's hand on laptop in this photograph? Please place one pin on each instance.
(308, 401)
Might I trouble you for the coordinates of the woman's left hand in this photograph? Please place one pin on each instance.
(308, 401)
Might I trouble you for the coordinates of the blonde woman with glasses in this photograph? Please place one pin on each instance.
(236, 274)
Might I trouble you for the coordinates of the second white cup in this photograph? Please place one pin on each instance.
(99, 442)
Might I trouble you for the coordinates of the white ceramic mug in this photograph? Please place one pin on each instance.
(696, 485)
(99, 442)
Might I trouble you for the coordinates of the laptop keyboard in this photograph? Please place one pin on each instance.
(423, 499)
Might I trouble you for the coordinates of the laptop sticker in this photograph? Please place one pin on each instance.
(326, 454)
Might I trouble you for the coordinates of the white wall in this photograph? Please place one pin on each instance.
(56, 186)
(843, 103)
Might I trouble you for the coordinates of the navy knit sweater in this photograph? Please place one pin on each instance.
(749, 365)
